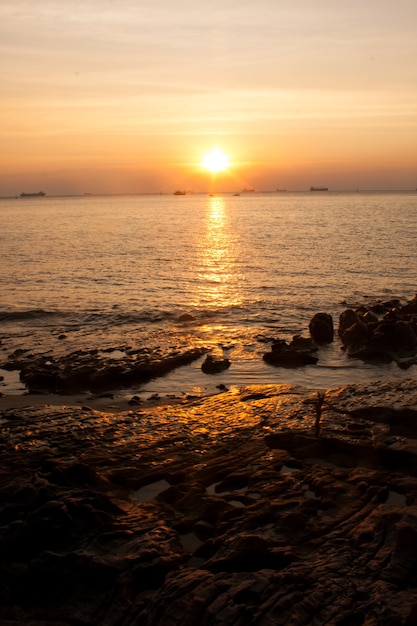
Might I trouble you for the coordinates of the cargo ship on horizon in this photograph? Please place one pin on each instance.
(36, 194)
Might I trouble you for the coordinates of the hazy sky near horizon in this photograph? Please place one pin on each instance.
(126, 95)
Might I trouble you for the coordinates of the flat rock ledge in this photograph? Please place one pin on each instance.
(269, 506)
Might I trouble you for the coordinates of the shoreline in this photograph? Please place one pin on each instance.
(376, 340)
(108, 404)
(190, 382)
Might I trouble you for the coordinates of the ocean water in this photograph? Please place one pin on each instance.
(115, 271)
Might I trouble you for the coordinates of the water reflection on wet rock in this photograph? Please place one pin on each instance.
(240, 506)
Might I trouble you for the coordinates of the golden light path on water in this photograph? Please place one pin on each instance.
(218, 282)
(217, 267)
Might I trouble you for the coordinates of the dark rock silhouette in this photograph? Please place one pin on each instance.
(91, 371)
(186, 317)
(390, 337)
(321, 328)
(289, 358)
(214, 365)
(299, 352)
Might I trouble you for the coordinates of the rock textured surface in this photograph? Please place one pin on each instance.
(97, 371)
(266, 506)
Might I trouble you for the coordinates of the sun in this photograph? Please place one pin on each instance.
(215, 161)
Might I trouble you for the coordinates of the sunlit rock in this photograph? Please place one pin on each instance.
(223, 510)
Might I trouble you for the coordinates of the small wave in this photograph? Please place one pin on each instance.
(15, 316)
(135, 317)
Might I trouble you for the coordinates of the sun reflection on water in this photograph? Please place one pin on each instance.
(217, 266)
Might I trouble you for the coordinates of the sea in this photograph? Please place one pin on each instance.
(224, 271)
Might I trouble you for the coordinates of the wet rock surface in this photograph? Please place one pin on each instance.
(297, 353)
(261, 506)
(97, 371)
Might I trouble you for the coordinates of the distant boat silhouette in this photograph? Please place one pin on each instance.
(180, 192)
(36, 194)
(319, 189)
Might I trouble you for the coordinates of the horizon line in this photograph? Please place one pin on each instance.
(210, 193)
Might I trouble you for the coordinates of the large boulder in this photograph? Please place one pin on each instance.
(321, 328)
(356, 334)
(347, 319)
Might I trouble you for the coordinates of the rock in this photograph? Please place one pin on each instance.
(89, 371)
(356, 334)
(289, 358)
(369, 318)
(221, 387)
(392, 338)
(186, 317)
(304, 344)
(297, 354)
(135, 400)
(249, 553)
(404, 553)
(212, 365)
(263, 522)
(378, 309)
(347, 319)
(321, 328)
(411, 306)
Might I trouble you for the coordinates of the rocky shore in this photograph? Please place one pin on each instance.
(271, 505)
(380, 333)
(383, 332)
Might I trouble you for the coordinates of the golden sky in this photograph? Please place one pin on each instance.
(127, 95)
